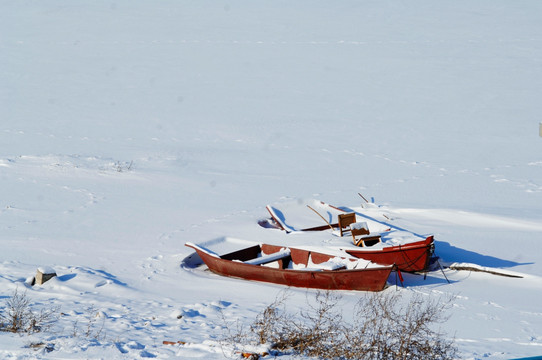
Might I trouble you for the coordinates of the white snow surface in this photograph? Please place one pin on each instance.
(128, 128)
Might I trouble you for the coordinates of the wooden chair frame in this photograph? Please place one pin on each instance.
(345, 220)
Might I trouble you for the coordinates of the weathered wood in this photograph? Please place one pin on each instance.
(317, 213)
(482, 269)
(364, 279)
(345, 220)
(366, 240)
(265, 259)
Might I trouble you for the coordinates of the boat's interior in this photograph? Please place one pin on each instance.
(283, 258)
(361, 236)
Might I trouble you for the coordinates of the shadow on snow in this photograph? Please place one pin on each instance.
(450, 254)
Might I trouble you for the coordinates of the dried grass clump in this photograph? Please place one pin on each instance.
(18, 317)
(382, 328)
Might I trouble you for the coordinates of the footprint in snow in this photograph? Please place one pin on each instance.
(102, 283)
(146, 354)
(121, 348)
(134, 345)
(125, 348)
(191, 313)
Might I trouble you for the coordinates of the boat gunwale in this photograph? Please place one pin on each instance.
(303, 270)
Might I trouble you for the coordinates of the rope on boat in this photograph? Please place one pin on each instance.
(409, 262)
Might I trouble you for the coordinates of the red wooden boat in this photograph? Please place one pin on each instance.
(296, 267)
(410, 255)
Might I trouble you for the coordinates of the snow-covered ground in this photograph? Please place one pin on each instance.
(128, 128)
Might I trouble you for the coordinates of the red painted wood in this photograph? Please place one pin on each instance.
(372, 279)
(411, 257)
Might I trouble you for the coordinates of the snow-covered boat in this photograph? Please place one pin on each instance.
(410, 257)
(370, 239)
(295, 267)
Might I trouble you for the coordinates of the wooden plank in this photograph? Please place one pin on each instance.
(269, 258)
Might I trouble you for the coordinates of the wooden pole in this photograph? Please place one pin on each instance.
(481, 269)
(363, 197)
(317, 213)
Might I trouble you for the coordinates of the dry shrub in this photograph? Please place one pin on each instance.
(316, 332)
(383, 328)
(272, 325)
(386, 328)
(92, 328)
(18, 317)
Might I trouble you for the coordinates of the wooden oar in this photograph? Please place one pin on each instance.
(367, 201)
(469, 267)
(363, 197)
(323, 218)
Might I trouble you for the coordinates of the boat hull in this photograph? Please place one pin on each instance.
(411, 257)
(371, 279)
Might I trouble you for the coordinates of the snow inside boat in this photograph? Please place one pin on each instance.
(293, 266)
(369, 239)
